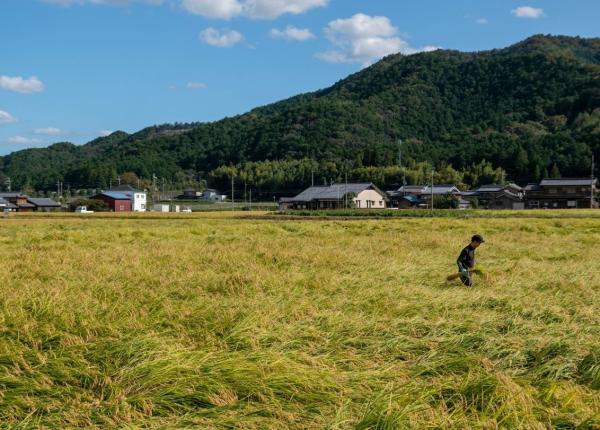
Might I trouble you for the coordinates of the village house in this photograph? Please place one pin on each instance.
(44, 204)
(18, 202)
(562, 194)
(410, 196)
(337, 196)
(6, 206)
(116, 201)
(494, 196)
(138, 197)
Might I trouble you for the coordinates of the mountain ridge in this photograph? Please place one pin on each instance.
(449, 106)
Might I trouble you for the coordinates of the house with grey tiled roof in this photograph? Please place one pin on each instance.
(497, 196)
(564, 193)
(44, 204)
(337, 196)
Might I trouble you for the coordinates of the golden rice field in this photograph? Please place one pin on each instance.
(211, 322)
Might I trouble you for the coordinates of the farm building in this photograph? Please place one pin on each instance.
(190, 195)
(562, 194)
(137, 197)
(116, 201)
(337, 196)
(211, 195)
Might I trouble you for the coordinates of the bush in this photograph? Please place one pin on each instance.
(92, 205)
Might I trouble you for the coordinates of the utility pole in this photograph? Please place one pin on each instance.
(119, 180)
(432, 190)
(312, 177)
(401, 167)
(346, 192)
(592, 185)
(232, 195)
(250, 198)
(8, 184)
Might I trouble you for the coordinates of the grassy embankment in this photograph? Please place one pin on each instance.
(212, 322)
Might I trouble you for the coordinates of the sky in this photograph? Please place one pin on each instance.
(74, 70)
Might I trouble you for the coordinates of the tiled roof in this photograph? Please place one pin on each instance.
(43, 202)
(333, 192)
(115, 195)
(566, 181)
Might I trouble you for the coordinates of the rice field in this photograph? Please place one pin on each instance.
(214, 322)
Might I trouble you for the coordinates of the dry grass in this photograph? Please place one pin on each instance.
(211, 322)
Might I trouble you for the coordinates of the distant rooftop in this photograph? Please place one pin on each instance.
(115, 195)
(567, 181)
(43, 202)
(332, 192)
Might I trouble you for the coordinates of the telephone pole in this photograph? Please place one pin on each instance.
(401, 167)
(232, 195)
(592, 185)
(432, 190)
(8, 184)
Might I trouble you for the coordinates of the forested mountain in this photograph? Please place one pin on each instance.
(532, 109)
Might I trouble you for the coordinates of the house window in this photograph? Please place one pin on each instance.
(571, 190)
(121, 207)
(380, 202)
(553, 191)
(358, 204)
(572, 204)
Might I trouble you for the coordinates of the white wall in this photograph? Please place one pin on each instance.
(369, 199)
(139, 202)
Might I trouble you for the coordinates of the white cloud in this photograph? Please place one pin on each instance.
(49, 131)
(20, 140)
(271, 9)
(256, 9)
(527, 12)
(222, 9)
(21, 85)
(104, 133)
(482, 21)
(101, 2)
(365, 39)
(220, 38)
(196, 85)
(6, 118)
(292, 33)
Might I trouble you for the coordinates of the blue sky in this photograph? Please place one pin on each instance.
(72, 70)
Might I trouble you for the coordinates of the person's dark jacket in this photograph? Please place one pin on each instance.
(466, 259)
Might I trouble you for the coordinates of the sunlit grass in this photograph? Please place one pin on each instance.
(206, 321)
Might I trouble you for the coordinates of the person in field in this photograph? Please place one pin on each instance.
(466, 260)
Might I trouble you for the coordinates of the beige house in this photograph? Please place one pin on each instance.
(337, 196)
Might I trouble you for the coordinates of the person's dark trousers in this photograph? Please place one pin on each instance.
(465, 276)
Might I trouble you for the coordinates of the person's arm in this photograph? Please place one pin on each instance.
(462, 260)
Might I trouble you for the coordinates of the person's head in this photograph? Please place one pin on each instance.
(476, 241)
